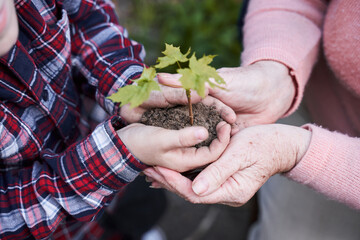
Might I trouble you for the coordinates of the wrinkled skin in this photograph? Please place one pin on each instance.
(252, 157)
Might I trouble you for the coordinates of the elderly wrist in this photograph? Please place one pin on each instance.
(291, 147)
(303, 143)
(300, 141)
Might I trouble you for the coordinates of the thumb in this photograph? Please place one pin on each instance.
(213, 176)
(185, 137)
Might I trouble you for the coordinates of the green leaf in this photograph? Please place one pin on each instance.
(207, 59)
(198, 73)
(188, 78)
(202, 68)
(172, 55)
(147, 75)
(139, 92)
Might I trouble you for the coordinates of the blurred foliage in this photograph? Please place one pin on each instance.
(207, 26)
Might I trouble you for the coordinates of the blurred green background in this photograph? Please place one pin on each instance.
(207, 26)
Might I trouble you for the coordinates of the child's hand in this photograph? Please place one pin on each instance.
(173, 148)
(9, 28)
(171, 96)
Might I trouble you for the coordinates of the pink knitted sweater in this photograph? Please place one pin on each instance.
(320, 42)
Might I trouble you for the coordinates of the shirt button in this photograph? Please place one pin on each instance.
(45, 95)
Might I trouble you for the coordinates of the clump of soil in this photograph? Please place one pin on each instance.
(178, 117)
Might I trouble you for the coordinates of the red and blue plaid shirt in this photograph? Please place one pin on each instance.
(53, 170)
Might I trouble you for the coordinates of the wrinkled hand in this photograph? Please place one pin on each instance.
(259, 94)
(171, 96)
(252, 157)
(173, 148)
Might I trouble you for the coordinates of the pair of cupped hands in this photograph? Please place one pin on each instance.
(249, 148)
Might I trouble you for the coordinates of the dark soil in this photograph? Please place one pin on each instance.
(178, 117)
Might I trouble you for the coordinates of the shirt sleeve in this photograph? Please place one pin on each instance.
(331, 166)
(285, 31)
(101, 49)
(76, 183)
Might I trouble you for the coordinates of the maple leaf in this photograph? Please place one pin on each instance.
(139, 92)
(198, 73)
(172, 55)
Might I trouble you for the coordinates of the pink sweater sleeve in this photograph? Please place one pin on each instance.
(285, 31)
(331, 166)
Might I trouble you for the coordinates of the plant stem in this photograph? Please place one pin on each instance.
(188, 95)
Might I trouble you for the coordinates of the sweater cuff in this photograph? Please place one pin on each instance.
(296, 48)
(312, 163)
(331, 166)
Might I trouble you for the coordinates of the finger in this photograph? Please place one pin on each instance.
(226, 112)
(214, 175)
(178, 96)
(183, 138)
(223, 138)
(175, 182)
(169, 96)
(168, 182)
(156, 185)
(168, 79)
(206, 155)
(152, 174)
(166, 97)
(131, 115)
(172, 80)
(149, 179)
(236, 191)
(228, 69)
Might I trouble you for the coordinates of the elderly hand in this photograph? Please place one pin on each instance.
(252, 157)
(259, 94)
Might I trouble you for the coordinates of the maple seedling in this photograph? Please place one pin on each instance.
(193, 77)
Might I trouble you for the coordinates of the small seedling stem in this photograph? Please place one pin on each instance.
(188, 95)
(191, 115)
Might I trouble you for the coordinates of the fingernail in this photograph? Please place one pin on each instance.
(221, 124)
(200, 186)
(147, 174)
(201, 134)
(155, 185)
(148, 179)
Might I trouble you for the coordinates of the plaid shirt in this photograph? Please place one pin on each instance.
(53, 170)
